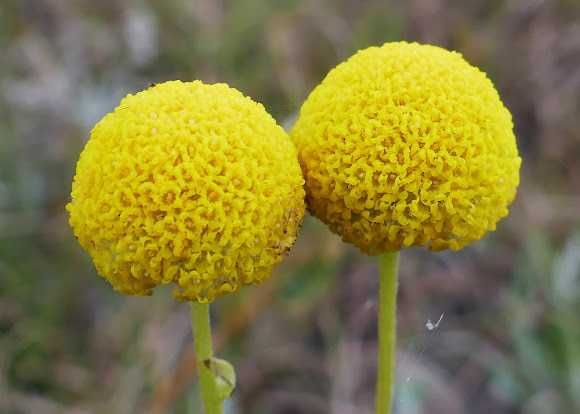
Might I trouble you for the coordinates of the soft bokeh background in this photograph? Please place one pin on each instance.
(508, 338)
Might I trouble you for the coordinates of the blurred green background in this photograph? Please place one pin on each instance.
(508, 340)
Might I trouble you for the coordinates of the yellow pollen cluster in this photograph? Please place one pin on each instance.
(187, 183)
(407, 144)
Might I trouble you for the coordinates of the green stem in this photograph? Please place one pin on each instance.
(388, 269)
(203, 350)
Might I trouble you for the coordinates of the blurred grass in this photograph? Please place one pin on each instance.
(304, 343)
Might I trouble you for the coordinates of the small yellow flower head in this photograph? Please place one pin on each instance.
(187, 183)
(407, 144)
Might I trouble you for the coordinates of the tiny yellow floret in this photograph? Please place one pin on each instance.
(187, 183)
(407, 144)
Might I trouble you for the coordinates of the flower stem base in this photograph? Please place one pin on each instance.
(387, 326)
(204, 354)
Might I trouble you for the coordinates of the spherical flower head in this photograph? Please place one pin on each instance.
(407, 144)
(187, 183)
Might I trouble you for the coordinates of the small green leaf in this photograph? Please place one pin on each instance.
(224, 376)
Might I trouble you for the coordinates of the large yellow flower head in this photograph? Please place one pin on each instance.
(187, 183)
(407, 144)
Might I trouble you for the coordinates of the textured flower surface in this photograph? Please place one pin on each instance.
(407, 144)
(187, 183)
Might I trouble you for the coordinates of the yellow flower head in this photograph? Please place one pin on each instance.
(187, 183)
(407, 144)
